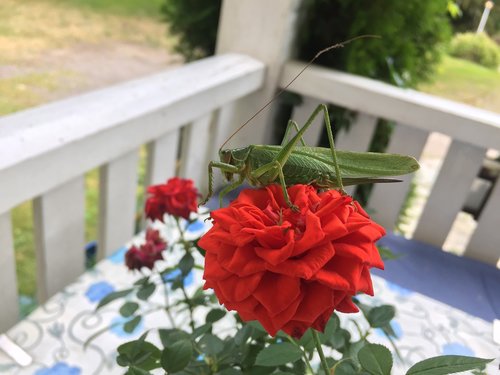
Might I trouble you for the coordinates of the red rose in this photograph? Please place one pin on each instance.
(148, 253)
(289, 270)
(178, 197)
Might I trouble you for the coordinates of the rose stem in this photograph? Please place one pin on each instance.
(320, 352)
(190, 306)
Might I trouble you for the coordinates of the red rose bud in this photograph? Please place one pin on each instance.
(148, 253)
(178, 197)
(290, 270)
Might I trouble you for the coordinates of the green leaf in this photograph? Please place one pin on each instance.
(138, 353)
(230, 371)
(339, 339)
(242, 335)
(201, 330)
(215, 315)
(381, 315)
(250, 352)
(211, 345)
(136, 371)
(128, 309)
(200, 250)
(346, 368)
(112, 296)
(260, 370)
(331, 327)
(376, 359)
(132, 324)
(307, 341)
(278, 354)
(177, 356)
(170, 336)
(386, 253)
(145, 291)
(142, 280)
(447, 364)
(186, 264)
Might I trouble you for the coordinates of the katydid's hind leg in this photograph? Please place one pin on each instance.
(287, 132)
(230, 188)
(329, 132)
(224, 167)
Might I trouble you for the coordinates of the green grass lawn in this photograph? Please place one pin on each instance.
(148, 8)
(466, 82)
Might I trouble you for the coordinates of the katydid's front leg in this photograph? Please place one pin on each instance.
(224, 167)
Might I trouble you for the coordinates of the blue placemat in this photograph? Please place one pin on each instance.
(464, 283)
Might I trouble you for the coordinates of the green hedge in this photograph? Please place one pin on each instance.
(478, 48)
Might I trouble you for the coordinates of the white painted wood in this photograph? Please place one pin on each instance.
(9, 313)
(357, 138)
(59, 237)
(423, 111)
(59, 141)
(162, 158)
(386, 200)
(196, 143)
(117, 203)
(359, 135)
(484, 244)
(221, 130)
(301, 114)
(265, 32)
(460, 167)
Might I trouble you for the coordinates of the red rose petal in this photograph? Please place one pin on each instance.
(277, 292)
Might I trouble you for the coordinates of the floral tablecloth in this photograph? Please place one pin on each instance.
(55, 334)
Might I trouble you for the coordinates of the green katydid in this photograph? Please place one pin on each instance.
(289, 163)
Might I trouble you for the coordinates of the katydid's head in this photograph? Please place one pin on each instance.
(236, 157)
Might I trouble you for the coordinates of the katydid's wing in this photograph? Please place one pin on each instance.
(365, 165)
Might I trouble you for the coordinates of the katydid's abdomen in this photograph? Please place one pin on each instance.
(307, 165)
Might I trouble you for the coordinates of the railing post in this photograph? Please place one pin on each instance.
(264, 30)
(9, 314)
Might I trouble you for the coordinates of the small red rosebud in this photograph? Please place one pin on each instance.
(148, 253)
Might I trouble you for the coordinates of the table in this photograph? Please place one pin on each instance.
(54, 333)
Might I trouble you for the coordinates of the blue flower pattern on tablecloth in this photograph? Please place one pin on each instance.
(117, 327)
(456, 348)
(98, 291)
(195, 226)
(60, 368)
(172, 275)
(118, 257)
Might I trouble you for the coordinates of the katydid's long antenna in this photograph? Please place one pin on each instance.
(338, 45)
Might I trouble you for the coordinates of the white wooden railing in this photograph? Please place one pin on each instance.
(416, 114)
(45, 152)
